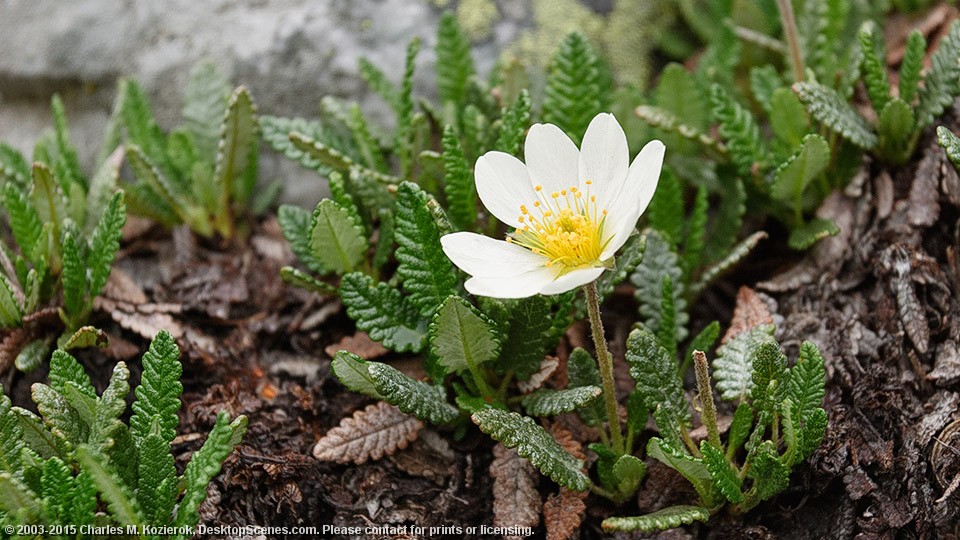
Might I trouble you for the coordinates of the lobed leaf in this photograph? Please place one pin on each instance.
(830, 109)
(515, 120)
(874, 65)
(204, 101)
(911, 65)
(722, 472)
(942, 81)
(158, 394)
(534, 443)
(121, 502)
(659, 260)
(458, 182)
(336, 238)
(156, 479)
(461, 337)
(454, 63)
(661, 520)
(105, 242)
(575, 90)
(792, 178)
(516, 499)
(422, 400)
(376, 431)
(381, 311)
(733, 366)
(655, 372)
(739, 130)
(527, 326)
(546, 402)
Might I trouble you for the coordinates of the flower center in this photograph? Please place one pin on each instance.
(566, 227)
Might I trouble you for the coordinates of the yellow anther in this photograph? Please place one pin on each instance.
(555, 195)
(538, 187)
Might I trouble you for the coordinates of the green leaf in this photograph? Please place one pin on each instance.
(204, 101)
(379, 83)
(102, 188)
(110, 405)
(764, 80)
(950, 143)
(422, 400)
(810, 233)
(367, 145)
(732, 257)
(811, 435)
(724, 476)
(677, 93)
(158, 395)
(631, 254)
(205, 464)
(695, 242)
(547, 402)
(689, 467)
(874, 65)
(666, 333)
(701, 342)
(165, 197)
(770, 376)
(352, 372)
(770, 475)
(942, 82)
(527, 326)
(655, 372)
(305, 281)
(46, 195)
(575, 91)
(14, 168)
(11, 439)
(36, 436)
(788, 118)
(661, 520)
(426, 271)
(142, 129)
(11, 314)
(659, 260)
(384, 246)
(733, 367)
(911, 65)
(67, 159)
(454, 63)
(515, 121)
(295, 224)
(534, 443)
(64, 368)
(669, 123)
(277, 131)
(56, 485)
(794, 175)
(830, 109)
(583, 372)
(461, 337)
(105, 243)
(458, 182)
(666, 213)
(739, 130)
(807, 379)
(25, 221)
(403, 140)
(895, 129)
(16, 498)
(73, 276)
(32, 355)
(381, 311)
(121, 502)
(629, 471)
(156, 479)
(336, 239)
(235, 170)
(739, 428)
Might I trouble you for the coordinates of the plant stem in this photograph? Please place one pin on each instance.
(790, 32)
(479, 379)
(605, 361)
(709, 414)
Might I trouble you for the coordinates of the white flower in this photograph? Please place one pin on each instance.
(571, 209)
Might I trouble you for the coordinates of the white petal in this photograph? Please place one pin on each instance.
(520, 286)
(604, 156)
(483, 256)
(572, 280)
(624, 210)
(503, 185)
(551, 157)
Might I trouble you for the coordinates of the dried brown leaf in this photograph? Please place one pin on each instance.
(563, 513)
(516, 501)
(121, 288)
(751, 311)
(143, 319)
(359, 344)
(547, 366)
(378, 430)
(924, 192)
(567, 441)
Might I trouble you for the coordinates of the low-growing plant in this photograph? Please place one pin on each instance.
(202, 174)
(64, 235)
(78, 464)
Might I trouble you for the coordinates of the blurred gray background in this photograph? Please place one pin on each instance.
(289, 53)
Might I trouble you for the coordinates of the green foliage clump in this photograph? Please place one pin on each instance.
(203, 173)
(78, 463)
(65, 232)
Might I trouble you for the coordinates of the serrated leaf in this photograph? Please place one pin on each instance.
(103, 185)
(204, 101)
(24, 218)
(655, 372)
(352, 372)
(47, 197)
(739, 130)
(156, 479)
(546, 402)
(32, 355)
(788, 118)
(534, 443)
(205, 464)
(121, 502)
(874, 65)
(770, 376)
(73, 276)
(295, 225)
(158, 394)
(764, 80)
(666, 212)
(582, 371)
(631, 254)
(575, 90)
(383, 312)
(695, 241)
(68, 163)
(811, 435)
(454, 63)
(142, 130)
(161, 196)
(942, 81)
(527, 325)
(515, 120)
(739, 428)
(105, 242)
(807, 379)
(235, 169)
(733, 366)
(911, 65)
(56, 485)
(830, 109)
(629, 471)
(734, 256)
(659, 260)
(14, 168)
(379, 83)
(950, 143)
(702, 342)
(376, 431)
(794, 175)
(11, 439)
(16, 498)
(689, 467)
(895, 129)
(11, 314)
(461, 337)
(810, 233)
(668, 122)
(770, 475)
(458, 182)
(677, 93)
(422, 400)
(110, 405)
(336, 239)
(661, 520)
(425, 270)
(724, 476)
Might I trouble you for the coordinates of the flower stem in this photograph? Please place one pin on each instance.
(480, 380)
(790, 32)
(605, 361)
(709, 414)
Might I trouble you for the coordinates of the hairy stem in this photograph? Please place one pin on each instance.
(605, 360)
(709, 414)
(792, 35)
